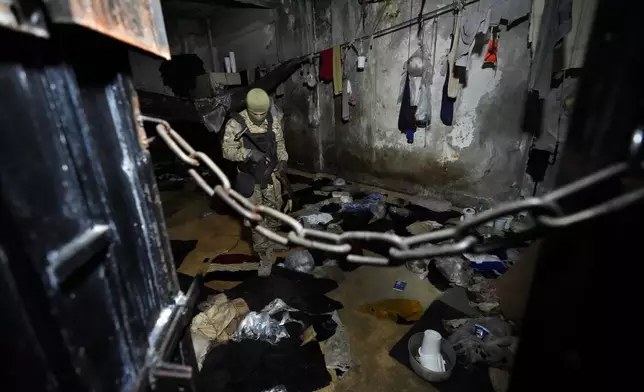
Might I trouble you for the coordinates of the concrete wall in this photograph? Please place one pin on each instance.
(479, 156)
(249, 32)
(185, 35)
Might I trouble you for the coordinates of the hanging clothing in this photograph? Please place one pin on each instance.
(490, 54)
(447, 103)
(453, 83)
(407, 115)
(326, 65)
(346, 94)
(337, 70)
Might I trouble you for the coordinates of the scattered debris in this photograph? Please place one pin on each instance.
(300, 260)
(483, 339)
(485, 262)
(400, 211)
(316, 219)
(207, 214)
(418, 267)
(337, 349)
(216, 323)
(421, 227)
(456, 269)
(400, 285)
(261, 326)
(339, 181)
(363, 204)
(279, 388)
(468, 214)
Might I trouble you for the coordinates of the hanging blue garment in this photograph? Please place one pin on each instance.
(447, 103)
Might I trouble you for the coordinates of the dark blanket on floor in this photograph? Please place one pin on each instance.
(473, 379)
(254, 366)
(299, 290)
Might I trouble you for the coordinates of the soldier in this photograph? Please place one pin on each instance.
(254, 140)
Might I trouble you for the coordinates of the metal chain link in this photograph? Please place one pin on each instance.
(545, 211)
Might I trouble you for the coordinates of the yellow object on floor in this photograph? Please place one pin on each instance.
(337, 70)
(401, 311)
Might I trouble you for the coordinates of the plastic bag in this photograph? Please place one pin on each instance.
(456, 269)
(300, 261)
(337, 349)
(317, 219)
(483, 339)
(379, 211)
(261, 326)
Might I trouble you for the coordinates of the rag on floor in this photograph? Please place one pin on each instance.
(401, 311)
(253, 365)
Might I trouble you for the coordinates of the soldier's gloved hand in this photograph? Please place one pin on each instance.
(281, 167)
(256, 156)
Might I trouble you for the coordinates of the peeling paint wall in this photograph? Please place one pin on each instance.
(478, 157)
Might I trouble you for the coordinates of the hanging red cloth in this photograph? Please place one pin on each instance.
(490, 54)
(326, 65)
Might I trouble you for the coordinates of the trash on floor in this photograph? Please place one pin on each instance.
(316, 219)
(279, 388)
(456, 269)
(261, 326)
(337, 350)
(300, 261)
(485, 262)
(401, 311)
(475, 378)
(421, 227)
(483, 339)
(216, 323)
(433, 368)
(429, 353)
(364, 204)
(399, 285)
(418, 267)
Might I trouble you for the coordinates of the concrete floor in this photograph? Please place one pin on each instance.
(371, 338)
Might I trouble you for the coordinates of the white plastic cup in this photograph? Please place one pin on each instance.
(434, 363)
(431, 343)
(468, 214)
(361, 62)
(227, 64)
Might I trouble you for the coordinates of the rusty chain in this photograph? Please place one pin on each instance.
(545, 211)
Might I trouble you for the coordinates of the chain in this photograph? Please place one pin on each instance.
(545, 211)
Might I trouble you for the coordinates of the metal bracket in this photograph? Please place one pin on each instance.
(163, 339)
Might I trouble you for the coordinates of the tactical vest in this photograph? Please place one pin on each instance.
(252, 173)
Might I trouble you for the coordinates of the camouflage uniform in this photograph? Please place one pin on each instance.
(271, 196)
